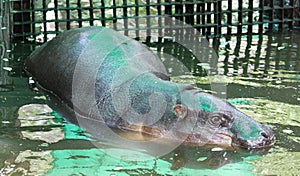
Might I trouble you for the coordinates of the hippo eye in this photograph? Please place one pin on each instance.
(216, 120)
(220, 120)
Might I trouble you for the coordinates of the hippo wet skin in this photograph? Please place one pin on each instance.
(117, 81)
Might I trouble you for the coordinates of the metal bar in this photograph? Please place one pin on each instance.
(208, 30)
(114, 15)
(250, 17)
(206, 16)
(179, 16)
(56, 15)
(281, 15)
(103, 22)
(189, 15)
(44, 19)
(168, 22)
(291, 14)
(198, 17)
(148, 18)
(216, 20)
(91, 11)
(137, 23)
(125, 14)
(240, 17)
(296, 14)
(179, 11)
(219, 17)
(68, 14)
(33, 20)
(229, 17)
(261, 16)
(159, 13)
(6, 83)
(79, 11)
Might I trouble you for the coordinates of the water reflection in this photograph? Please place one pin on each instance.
(249, 56)
(261, 55)
(45, 147)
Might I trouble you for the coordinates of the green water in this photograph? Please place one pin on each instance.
(262, 76)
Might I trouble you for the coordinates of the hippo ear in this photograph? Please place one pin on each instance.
(180, 111)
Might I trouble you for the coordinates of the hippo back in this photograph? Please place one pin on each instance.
(113, 54)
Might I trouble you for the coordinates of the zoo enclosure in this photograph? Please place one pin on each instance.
(30, 21)
(36, 20)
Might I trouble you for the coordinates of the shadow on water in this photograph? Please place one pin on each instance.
(262, 74)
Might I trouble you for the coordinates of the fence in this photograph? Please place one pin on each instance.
(30, 21)
(38, 20)
(5, 50)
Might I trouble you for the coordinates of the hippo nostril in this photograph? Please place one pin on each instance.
(265, 135)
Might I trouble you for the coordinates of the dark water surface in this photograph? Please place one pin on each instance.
(261, 75)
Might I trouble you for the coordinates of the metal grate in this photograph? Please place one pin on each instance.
(39, 20)
(6, 83)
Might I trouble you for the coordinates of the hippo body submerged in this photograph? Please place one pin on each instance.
(116, 80)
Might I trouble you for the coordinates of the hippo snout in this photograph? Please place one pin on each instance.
(265, 139)
(268, 137)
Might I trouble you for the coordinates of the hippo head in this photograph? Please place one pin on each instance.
(214, 122)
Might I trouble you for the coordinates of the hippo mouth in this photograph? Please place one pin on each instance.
(230, 141)
(264, 138)
(265, 141)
